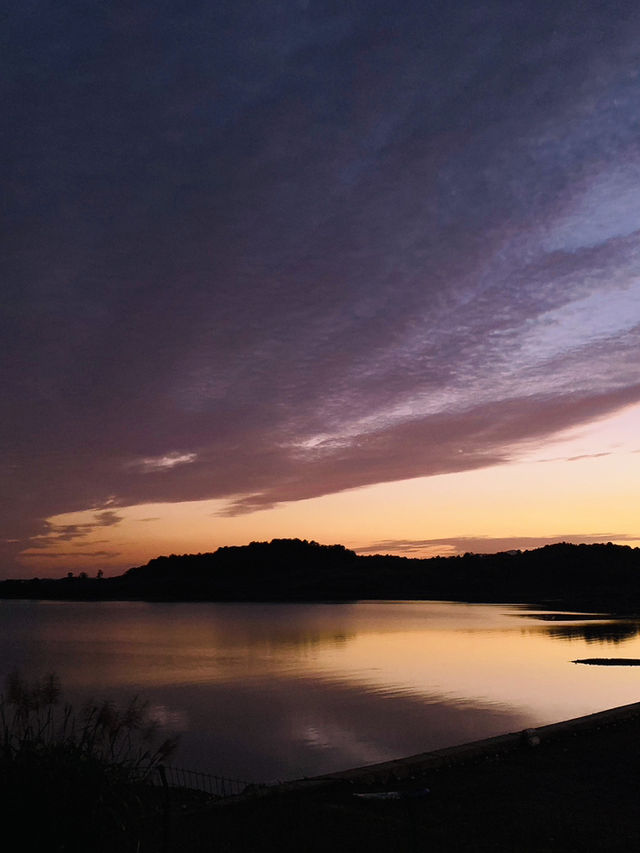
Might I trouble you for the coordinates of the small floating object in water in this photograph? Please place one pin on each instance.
(609, 661)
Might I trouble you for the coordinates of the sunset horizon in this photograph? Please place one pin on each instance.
(320, 434)
(545, 494)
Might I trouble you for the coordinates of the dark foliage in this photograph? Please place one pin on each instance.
(601, 576)
(76, 780)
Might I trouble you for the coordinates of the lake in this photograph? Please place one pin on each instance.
(278, 691)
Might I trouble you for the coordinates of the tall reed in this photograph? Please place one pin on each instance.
(75, 777)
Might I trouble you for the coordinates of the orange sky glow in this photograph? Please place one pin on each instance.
(582, 486)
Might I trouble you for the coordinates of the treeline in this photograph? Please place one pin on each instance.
(602, 576)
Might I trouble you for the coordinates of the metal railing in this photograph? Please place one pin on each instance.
(194, 780)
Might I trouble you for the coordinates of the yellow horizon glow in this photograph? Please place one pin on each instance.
(540, 494)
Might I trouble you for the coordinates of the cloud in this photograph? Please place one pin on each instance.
(163, 463)
(587, 456)
(479, 437)
(270, 256)
(107, 518)
(450, 546)
(56, 533)
(58, 554)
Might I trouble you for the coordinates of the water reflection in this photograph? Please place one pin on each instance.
(314, 727)
(606, 632)
(276, 691)
(592, 628)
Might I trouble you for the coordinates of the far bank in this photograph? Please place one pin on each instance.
(600, 577)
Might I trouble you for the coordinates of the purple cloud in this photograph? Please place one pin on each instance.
(57, 554)
(275, 252)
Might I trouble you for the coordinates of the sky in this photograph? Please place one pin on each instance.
(358, 272)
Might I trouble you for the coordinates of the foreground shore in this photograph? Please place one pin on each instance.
(573, 786)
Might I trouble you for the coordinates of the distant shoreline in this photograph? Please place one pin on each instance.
(600, 577)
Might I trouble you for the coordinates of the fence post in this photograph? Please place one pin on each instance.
(166, 810)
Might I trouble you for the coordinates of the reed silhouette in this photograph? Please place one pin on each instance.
(74, 779)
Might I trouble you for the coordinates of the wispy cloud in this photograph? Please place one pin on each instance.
(587, 456)
(486, 544)
(56, 533)
(163, 463)
(477, 438)
(55, 555)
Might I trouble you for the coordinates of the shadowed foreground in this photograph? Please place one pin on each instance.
(575, 790)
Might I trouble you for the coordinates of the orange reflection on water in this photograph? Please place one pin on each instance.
(466, 653)
(281, 690)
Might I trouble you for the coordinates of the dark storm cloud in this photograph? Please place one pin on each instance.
(270, 251)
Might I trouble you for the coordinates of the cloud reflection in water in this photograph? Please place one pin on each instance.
(261, 691)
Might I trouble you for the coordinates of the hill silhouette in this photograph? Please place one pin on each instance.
(600, 576)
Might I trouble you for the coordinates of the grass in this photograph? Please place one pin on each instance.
(74, 779)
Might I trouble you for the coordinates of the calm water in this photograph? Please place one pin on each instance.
(276, 691)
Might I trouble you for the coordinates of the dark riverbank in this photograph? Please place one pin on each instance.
(569, 787)
(601, 577)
